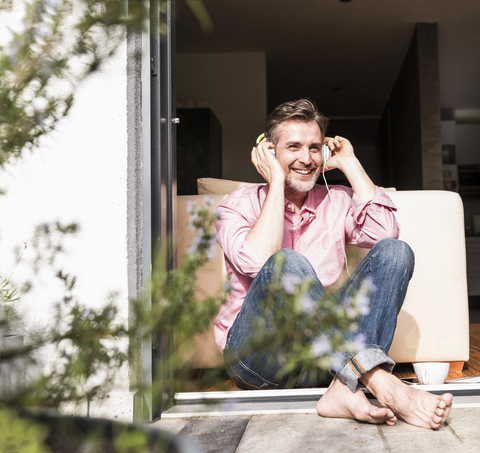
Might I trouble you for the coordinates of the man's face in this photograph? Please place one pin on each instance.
(298, 151)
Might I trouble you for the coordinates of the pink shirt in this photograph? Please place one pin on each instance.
(313, 232)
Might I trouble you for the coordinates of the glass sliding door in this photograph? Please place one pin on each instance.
(163, 179)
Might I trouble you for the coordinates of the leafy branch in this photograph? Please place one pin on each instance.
(60, 43)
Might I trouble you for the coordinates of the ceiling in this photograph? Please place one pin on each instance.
(345, 56)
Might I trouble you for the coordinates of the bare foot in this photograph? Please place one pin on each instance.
(415, 406)
(340, 402)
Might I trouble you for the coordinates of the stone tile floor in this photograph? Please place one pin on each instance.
(299, 433)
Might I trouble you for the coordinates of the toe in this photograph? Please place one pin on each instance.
(434, 425)
(447, 398)
(378, 412)
(392, 419)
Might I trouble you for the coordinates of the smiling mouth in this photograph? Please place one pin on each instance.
(303, 171)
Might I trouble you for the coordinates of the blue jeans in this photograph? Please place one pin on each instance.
(389, 265)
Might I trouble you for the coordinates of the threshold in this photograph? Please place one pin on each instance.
(289, 401)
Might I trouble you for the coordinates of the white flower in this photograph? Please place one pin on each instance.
(194, 218)
(52, 4)
(307, 303)
(359, 341)
(208, 201)
(363, 304)
(348, 306)
(196, 242)
(320, 346)
(211, 252)
(191, 206)
(164, 303)
(12, 52)
(290, 281)
(42, 31)
(337, 361)
(368, 284)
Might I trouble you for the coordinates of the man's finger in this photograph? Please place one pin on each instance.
(254, 156)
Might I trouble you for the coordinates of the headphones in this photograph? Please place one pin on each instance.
(326, 153)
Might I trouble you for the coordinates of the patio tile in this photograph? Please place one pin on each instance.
(172, 425)
(309, 433)
(403, 437)
(405, 429)
(465, 423)
(215, 434)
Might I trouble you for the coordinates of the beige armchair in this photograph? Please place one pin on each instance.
(433, 324)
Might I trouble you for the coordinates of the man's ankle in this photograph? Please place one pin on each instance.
(375, 381)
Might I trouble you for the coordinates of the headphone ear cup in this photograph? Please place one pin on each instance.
(326, 154)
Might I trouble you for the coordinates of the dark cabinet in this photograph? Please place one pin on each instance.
(199, 148)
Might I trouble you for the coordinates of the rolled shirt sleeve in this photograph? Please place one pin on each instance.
(371, 221)
(232, 229)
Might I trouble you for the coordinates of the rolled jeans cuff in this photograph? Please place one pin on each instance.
(362, 362)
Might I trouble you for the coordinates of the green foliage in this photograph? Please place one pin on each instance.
(58, 45)
(48, 242)
(86, 341)
(21, 435)
(91, 344)
(7, 292)
(61, 42)
(304, 334)
(177, 310)
(27, 433)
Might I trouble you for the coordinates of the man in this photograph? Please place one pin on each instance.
(307, 226)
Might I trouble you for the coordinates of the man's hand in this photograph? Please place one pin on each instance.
(342, 152)
(343, 158)
(266, 163)
(267, 233)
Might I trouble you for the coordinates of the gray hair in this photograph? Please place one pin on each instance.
(301, 110)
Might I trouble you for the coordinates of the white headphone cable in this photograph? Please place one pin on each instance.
(336, 224)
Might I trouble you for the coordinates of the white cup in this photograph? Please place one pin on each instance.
(431, 373)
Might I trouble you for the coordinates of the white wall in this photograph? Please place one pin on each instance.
(77, 174)
(233, 85)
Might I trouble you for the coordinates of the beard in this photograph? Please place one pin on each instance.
(305, 185)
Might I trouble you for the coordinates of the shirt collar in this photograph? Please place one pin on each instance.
(308, 204)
